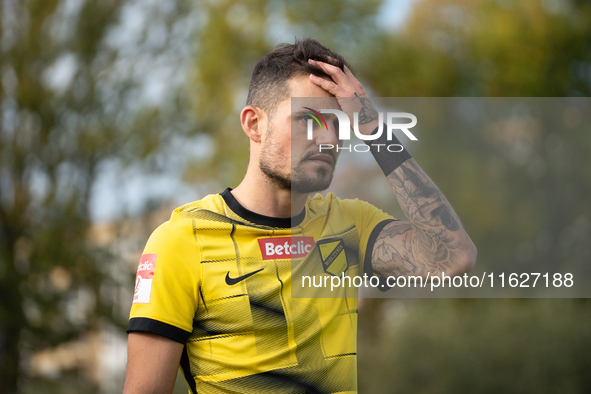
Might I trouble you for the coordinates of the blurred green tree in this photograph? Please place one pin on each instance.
(69, 103)
(521, 194)
(530, 48)
(480, 346)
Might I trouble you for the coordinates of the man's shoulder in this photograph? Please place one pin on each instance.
(211, 202)
(320, 203)
(181, 218)
(319, 200)
(347, 210)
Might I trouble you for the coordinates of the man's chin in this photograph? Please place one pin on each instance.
(310, 185)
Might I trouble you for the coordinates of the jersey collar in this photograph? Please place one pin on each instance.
(256, 218)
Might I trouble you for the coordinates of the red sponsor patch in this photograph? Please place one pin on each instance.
(285, 247)
(143, 279)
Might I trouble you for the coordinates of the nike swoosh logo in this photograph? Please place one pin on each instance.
(233, 281)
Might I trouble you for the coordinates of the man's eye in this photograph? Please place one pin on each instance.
(307, 118)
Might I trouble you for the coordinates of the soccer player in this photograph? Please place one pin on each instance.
(213, 291)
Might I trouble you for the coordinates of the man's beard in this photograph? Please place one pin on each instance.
(299, 180)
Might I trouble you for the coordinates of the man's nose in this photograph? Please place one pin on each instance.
(327, 135)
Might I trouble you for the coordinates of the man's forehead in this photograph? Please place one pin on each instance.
(315, 103)
(306, 94)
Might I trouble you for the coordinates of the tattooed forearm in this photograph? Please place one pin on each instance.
(446, 218)
(433, 240)
(367, 113)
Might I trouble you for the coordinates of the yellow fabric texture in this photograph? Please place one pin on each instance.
(215, 283)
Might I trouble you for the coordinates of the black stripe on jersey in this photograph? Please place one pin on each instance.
(216, 337)
(157, 327)
(202, 299)
(348, 312)
(236, 250)
(228, 297)
(260, 219)
(342, 355)
(186, 367)
(367, 267)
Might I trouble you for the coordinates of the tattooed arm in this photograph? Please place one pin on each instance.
(433, 240)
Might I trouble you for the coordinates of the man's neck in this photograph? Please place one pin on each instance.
(259, 194)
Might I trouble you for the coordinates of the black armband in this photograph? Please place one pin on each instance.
(387, 159)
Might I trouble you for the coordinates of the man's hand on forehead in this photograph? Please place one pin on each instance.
(350, 94)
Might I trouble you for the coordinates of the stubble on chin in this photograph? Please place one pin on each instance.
(298, 181)
(283, 182)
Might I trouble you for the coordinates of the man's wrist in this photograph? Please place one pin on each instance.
(389, 154)
(368, 128)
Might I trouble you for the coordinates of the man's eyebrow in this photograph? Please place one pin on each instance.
(299, 114)
(304, 113)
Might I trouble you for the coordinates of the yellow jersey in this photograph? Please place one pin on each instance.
(217, 278)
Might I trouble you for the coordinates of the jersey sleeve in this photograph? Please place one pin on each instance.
(167, 282)
(369, 221)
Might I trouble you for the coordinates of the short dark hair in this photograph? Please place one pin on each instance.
(268, 84)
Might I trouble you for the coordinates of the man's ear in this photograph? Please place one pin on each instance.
(254, 122)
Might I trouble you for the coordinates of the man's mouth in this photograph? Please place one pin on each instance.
(324, 157)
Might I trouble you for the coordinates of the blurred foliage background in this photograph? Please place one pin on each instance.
(115, 111)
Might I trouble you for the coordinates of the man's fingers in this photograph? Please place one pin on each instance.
(327, 67)
(329, 86)
(331, 59)
(349, 73)
(358, 86)
(336, 73)
(343, 79)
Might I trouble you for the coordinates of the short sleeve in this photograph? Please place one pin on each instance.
(369, 221)
(167, 282)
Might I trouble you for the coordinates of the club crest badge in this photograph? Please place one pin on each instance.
(334, 258)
